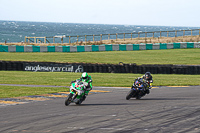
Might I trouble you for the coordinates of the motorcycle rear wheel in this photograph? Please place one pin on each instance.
(69, 99)
(138, 97)
(81, 100)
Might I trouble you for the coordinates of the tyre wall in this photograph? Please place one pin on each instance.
(101, 68)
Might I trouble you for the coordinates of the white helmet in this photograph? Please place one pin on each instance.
(84, 75)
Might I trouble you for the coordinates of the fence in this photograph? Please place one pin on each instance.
(96, 48)
(101, 37)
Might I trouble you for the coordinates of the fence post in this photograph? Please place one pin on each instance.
(93, 37)
(153, 34)
(53, 39)
(69, 40)
(131, 36)
(77, 38)
(183, 33)
(191, 32)
(25, 38)
(101, 37)
(85, 38)
(199, 32)
(108, 36)
(160, 34)
(175, 33)
(167, 33)
(34, 39)
(45, 39)
(138, 35)
(124, 36)
(145, 37)
(116, 36)
(62, 40)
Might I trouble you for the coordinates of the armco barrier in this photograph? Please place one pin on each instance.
(101, 68)
(95, 48)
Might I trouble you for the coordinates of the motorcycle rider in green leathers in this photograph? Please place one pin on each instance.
(88, 79)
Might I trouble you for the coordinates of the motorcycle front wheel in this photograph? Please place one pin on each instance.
(69, 99)
(129, 95)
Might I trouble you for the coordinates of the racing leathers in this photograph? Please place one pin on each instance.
(147, 83)
(87, 79)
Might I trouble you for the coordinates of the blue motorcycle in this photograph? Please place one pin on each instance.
(137, 90)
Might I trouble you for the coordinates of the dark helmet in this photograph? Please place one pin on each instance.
(147, 75)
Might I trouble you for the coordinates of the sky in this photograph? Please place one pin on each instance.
(124, 12)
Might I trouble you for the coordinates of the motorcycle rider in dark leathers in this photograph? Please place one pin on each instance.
(148, 80)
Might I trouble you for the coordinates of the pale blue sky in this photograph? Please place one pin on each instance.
(126, 12)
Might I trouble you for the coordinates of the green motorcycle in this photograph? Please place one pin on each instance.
(77, 93)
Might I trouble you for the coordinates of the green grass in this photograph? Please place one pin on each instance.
(169, 56)
(18, 91)
(99, 79)
(64, 79)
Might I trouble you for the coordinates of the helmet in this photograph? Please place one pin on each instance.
(84, 75)
(147, 75)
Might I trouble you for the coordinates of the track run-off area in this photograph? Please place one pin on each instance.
(165, 109)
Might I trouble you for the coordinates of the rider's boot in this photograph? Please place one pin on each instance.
(86, 92)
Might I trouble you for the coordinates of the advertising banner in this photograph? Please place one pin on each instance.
(52, 67)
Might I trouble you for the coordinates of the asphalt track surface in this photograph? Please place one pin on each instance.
(164, 110)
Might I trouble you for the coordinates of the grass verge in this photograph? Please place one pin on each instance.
(64, 79)
(169, 56)
(18, 91)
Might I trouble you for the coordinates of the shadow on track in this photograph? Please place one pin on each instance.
(106, 104)
(157, 99)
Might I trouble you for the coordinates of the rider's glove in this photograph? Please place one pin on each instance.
(150, 87)
(72, 82)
